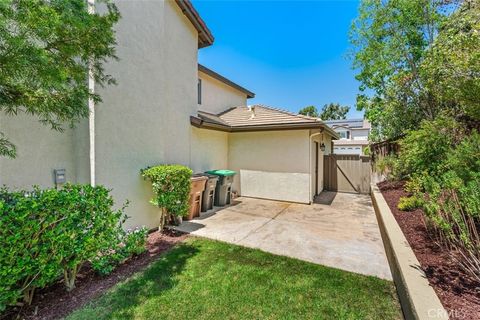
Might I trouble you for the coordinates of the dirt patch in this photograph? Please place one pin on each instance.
(54, 302)
(459, 293)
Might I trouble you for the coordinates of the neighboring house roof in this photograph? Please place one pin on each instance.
(349, 123)
(205, 37)
(257, 118)
(221, 78)
(346, 142)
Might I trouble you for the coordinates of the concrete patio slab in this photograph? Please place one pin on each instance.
(340, 232)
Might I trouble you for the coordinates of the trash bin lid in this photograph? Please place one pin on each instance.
(210, 176)
(222, 172)
(198, 176)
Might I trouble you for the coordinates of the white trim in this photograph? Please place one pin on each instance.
(91, 108)
(310, 164)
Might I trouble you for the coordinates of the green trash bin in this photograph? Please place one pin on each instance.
(223, 191)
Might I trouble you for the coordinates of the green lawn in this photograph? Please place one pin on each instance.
(204, 279)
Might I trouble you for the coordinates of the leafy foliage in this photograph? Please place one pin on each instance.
(442, 161)
(334, 111)
(47, 233)
(171, 185)
(129, 244)
(310, 111)
(46, 49)
(391, 41)
(331, 111)
(409, 203)
(451, 68)
(423, 151)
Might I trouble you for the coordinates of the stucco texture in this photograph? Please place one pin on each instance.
(217, 96)
(271, 164)
(40, 150)
(143, 121)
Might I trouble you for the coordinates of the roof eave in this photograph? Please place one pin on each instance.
(228, 82)
(205, 37)
(203, 124)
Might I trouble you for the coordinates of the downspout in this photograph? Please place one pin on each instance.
(310, 163)
(91, 108)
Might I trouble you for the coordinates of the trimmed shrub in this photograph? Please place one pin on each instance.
(49, 233)
(171, 185)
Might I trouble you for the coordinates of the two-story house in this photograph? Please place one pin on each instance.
(167, 108)
(353, 136)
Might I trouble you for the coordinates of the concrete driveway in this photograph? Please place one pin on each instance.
(339, 230)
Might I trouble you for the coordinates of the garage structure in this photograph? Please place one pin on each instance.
(278, 155)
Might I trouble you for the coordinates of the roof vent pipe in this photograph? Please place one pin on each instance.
(252, 110)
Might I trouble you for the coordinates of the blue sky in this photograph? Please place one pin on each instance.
(290, 53)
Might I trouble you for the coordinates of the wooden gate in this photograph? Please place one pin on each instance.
(347, 173)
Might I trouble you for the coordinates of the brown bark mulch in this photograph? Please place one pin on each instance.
(458, 292)
(55, 302)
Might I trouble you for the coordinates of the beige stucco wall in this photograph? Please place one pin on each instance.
(209, 150)
(217, 96)
(271, 164)
(144, 120)
(40, 150)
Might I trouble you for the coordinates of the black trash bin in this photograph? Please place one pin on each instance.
(223, 191)
(209, 192)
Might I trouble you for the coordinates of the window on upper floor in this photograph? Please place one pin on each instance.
(344, 134)
(199, 91)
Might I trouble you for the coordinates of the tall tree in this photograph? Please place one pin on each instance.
(45, 50)
(451, 68)
(390, 40)
(310, 111)
(334, 111)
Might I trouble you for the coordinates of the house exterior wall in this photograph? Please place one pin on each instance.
(271, 164)
(144, 120)
(209, 150)
(40, 150)
(359, 134)
(348, 149)
(217, 96)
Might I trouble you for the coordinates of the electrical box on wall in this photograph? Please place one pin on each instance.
(59, 176)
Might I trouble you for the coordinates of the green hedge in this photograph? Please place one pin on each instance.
(47, 234)
(171, 185)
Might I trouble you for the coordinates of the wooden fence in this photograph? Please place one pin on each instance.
(347, 173)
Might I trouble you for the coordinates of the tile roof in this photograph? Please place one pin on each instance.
(261, 115)
(257, 118)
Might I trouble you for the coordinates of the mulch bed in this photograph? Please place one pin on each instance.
(458, 292)
(55, 302)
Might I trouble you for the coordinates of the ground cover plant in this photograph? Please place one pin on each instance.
(205, 279)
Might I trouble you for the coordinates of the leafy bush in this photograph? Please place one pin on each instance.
(49, 233)
(171, 185)
(135, 241)
(388, 167)
(443, 163)
(409, 203)
(424, 151)
(132, 243)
